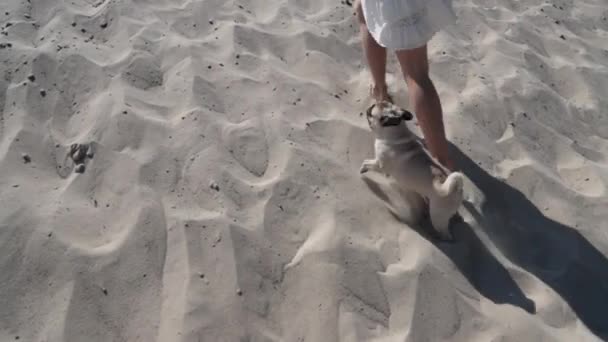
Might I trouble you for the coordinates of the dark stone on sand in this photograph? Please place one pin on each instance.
(32, 78)
(80, 168)
(26, 158)
(214, 186)
(79, 153)
(90, 152)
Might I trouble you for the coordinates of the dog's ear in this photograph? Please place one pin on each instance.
(369, 110)
(406, 115)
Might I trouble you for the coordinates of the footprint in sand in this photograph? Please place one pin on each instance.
(248, 145)
(143, 73)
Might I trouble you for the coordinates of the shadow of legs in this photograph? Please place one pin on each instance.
(468, 253)
(555, 253)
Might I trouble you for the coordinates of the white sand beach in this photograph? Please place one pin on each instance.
(187, 170)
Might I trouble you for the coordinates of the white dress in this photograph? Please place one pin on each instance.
(406, 24)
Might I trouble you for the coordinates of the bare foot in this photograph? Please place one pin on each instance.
(380, 94)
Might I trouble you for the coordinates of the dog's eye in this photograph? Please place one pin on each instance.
(406, 115)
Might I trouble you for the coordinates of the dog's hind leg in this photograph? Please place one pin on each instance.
(440, 218)
(416, 205)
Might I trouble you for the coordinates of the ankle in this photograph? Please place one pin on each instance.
(448, 163)
(379, 93)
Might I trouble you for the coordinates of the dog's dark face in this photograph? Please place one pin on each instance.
(384, 115)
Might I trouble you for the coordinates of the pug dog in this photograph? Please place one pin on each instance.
(399, 155)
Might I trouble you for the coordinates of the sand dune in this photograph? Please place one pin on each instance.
(217, 194)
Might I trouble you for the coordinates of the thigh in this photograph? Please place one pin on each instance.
(414, 63)
(359, 12)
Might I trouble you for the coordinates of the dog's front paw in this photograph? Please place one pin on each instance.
(368, 165)
(364, 169)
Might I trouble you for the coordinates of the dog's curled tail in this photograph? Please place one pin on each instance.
(454, 182)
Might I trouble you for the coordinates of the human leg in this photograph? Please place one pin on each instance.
(375, 55)
(426, 103)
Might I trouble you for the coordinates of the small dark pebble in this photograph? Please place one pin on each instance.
(16, 186)
(43, 93)
(562, 37)
(32, 78)
(201, 276)
(90, 152)
(124, 112)
(80, 168)
(104, 25)
(105, 291)
(78, 153)
(209, 67)
(83, 30)
(50, 234)
(26, 158)
(239, 292)
(586, 179)
(73, 24)
(214, 186)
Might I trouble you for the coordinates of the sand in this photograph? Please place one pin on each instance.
(214, 192)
